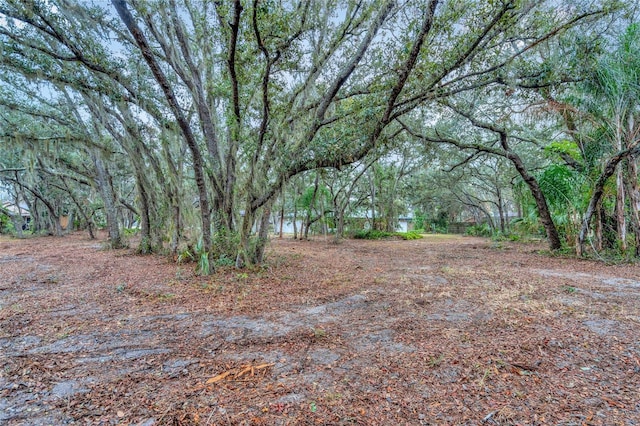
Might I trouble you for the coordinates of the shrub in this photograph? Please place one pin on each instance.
(130, 232)
(411, 235)
(479, 230)
(6, 226)
(371, 234)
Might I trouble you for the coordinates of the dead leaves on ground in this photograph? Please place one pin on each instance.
(242, 373)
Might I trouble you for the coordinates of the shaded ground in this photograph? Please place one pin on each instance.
(434, 331)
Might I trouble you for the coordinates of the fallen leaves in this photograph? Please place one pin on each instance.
(612, 402)
(239, 372)
(481, 344)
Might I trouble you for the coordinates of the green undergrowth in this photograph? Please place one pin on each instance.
(372, 234)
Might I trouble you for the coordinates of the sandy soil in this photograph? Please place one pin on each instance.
(438, 331)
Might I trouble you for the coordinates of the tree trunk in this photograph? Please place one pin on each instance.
(146, 246)
(373, 202)
(263, 235)
(598, 191)
(339, 223)
(311, 205)
(634, 200)
(109, 199)
(18, 223)
(53, 219)
(282, 215)
(243, 256)
(80, 210)
(295, 222)
(599, 227)
(36, 222)
(501, 211)
(165, 85)
(177, 224)
(621, 222)
(541, 201)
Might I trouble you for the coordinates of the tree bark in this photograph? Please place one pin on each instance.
(541, 203)
(295, 220)
(621, 221)
(600, 214)
(165, 85)
(631, 184)
(598, 191)
(263, 235)
(282, 215)
(108, 197)
(81, 210)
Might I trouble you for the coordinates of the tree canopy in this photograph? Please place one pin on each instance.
(191, 120)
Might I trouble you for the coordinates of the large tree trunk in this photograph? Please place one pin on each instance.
(165, 85)
(243, 256)
(634, 200)
(598, 191)
(339, 222)
(263, 235)
(310, 207)
(621, 222)
(109, 198)
(18, 223)
(538, 196)
(599, 228)
(146, 246)
(36, 222)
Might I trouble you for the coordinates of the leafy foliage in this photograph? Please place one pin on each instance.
(374, 234)
(190, 119)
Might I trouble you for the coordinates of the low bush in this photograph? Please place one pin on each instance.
(480, 230)
(411, 235)
(372, 234)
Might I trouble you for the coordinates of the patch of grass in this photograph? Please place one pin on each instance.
(411, 235)
(165, 297)
(485, 374)
(319, 333)
(434, 361)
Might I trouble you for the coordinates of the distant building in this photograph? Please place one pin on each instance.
(17, 210)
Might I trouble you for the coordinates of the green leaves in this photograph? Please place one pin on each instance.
(564, 146)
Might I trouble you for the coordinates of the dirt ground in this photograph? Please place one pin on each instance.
(438, 331)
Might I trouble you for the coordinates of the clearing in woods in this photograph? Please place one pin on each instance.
(433, 331)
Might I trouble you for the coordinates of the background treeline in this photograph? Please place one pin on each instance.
(204, 125)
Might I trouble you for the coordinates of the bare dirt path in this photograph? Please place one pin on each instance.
(435, 331)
